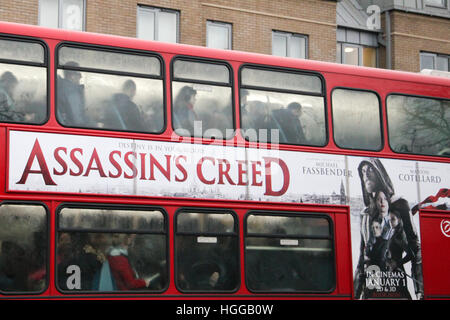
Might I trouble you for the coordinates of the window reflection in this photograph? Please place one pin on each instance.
(289, 254)
(23, 248)
(419, 125)
(207, 255)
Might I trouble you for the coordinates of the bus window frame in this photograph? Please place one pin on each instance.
(230, 84)
(236, 233)
(120, 50)
(108, 206)
(380, 112)
(45, 64)
(306, 214)
(323, 94)
(387, 122)
(47, 250)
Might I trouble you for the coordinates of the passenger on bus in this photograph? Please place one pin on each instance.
(124, 274)
(8, 84)
(124, 113)
(288, 121)
(183, 113)
(13, 267)
(246, 119)
(70, 106)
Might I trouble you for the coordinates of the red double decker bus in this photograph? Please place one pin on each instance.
(138, 169)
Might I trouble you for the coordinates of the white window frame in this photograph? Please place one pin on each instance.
(60, 16)
(434, 56)
(289, 36)
(156, 11)
(442, 5)
(225, 25)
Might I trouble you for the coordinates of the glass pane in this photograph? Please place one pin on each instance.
(23, 94)
(297, 47)
(369, 57)
(279, 45)
(351, 55)
(72, 14)
(281, 80)
(426, 61)
(113, 61)
(104, 219)
(356, 119)
(202, 110)
(290, 226)
(438, 3)
(276, 117)
(218, 36)
(146, 24)
(21, 51)
(205, 222)
(442, 63)
(298, 267)
(201, 71)
(94, 100)
(48, 13)
(111, 262)
(167, 26)
(206, 266)
(23, 248)
(419, 125)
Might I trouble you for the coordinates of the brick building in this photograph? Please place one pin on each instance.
(412, 34)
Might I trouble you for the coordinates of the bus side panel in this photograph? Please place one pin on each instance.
(344, 281)
(435, 235)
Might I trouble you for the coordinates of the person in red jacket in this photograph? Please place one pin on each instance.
(124, 275)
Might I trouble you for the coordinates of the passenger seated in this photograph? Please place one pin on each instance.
(70, 106)
(289, 123)
(124, 113)
(8, 84)
(121, 269)
(183, 110)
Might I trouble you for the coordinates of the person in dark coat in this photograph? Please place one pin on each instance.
(184, 114)
(124, 113)
(288, 122)
(70, 98)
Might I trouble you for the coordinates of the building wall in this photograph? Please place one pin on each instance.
(19, 11)
(412, 33)
(252, 20)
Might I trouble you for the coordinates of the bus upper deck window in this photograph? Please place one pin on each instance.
(356, 119)
(23, 248)
(202, 99)
(206, 252)
(419, 125)
(107, 249)
(23, 82)
(282, 106)
(105, 89)
(289, 253)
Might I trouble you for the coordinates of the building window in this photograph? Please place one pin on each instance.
(157, 24)
(436, 3)
(64, 14)
(358, 48)
(357, 55)
(289, 45)
(218, 35)
(434, 61)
